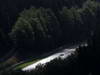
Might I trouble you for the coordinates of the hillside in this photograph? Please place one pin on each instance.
(31, 28)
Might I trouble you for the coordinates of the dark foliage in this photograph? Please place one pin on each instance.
(48, 25)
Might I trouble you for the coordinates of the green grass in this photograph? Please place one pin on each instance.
(20, 66)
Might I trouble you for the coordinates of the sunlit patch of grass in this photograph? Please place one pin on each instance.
(20, 66)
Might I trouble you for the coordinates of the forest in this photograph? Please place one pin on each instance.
(29, 28)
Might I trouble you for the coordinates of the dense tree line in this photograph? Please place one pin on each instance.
(9, 10)
(45, 25)
(42, 28)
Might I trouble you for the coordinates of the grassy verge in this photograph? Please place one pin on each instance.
(20, 66)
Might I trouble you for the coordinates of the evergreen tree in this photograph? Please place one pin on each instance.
(23, 32)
